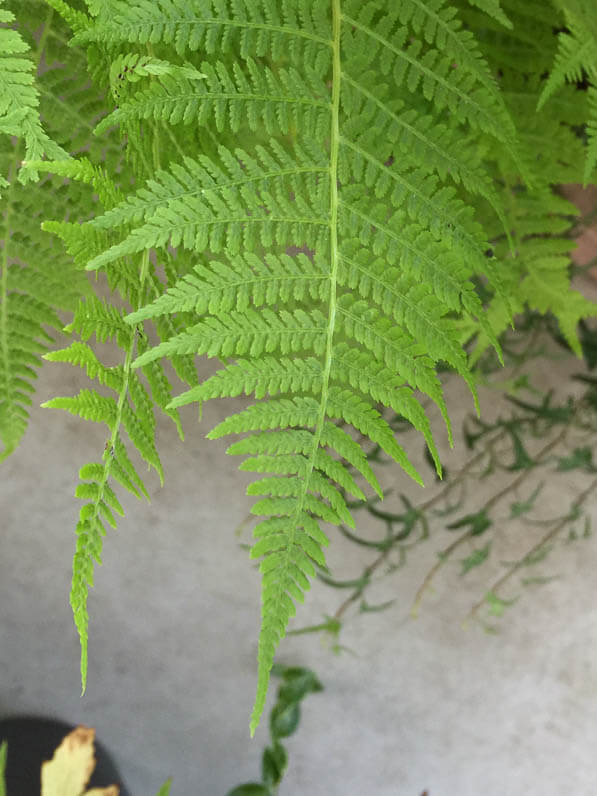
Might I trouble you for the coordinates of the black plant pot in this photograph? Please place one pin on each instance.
(31, 740)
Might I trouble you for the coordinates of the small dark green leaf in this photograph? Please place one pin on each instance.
(539, 580)
(250, 789)
(273, 764)
(496, 605)
(478, 523)
(163, 791)
(580, 458)
(517, 509)
(522, 460)
(476, 558)
(284, 719)
(298, 682)
(544, 410)
(365, 607)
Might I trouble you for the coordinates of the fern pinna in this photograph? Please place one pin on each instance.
(325, 186)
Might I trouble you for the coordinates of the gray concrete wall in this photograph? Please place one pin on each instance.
(417, 705)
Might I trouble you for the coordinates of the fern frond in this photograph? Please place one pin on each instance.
(591, 158)
(36, 281)
(260, 98)
(253, 282)
(19, 98)
(34, 272)
(369, 179)
(118, 414)
(75, 19)
(82, 170)
(296, 179)
(96, 317)
(214, 216)
(279, 443)
(577, 52)
(428, 70)
(259, 29)
(493, 8)
(576, 59)
(247, 333)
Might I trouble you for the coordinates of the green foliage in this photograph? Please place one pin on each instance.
(576, 60)
(165, 789)
(37, 278)
(337, 201)
(297, 683)
(19, 98)
(3, 753)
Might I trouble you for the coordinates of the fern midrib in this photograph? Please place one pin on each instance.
(334, 249)
(332, 305)
(205, 222)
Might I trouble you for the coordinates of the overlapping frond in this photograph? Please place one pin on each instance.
(493, 8)
(19, 98)
(37, 279)
(575, 61)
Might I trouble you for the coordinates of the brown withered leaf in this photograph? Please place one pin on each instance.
(68, 772)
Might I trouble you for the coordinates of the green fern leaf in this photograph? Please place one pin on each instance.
(263, 98)
(492, 7)
(576, 51)
(591, 159)
(19, 98)
(366, 315)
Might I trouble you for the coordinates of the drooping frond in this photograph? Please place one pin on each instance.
(37, 279)
(128, 410)
(364, 127)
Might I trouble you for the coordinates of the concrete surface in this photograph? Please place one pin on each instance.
(415, 706)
